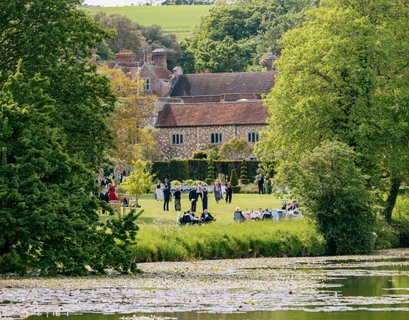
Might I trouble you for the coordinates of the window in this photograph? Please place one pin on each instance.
(252, 137)
(177, 138)
(147, 86)
(216, 138)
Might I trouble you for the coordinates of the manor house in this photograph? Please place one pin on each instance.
(196, 111)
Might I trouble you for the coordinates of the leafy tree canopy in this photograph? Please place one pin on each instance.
(243, 31)
(133, 36)
(53, 134)
(133, 138)
(344, 76)
(234, 149)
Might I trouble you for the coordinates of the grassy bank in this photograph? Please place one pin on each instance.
(237, 240)
(173, 19)
(161, 239)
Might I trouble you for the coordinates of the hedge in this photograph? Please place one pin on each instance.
(197, 169)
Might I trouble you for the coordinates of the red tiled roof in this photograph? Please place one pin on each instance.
(212, 114)
(203, 84)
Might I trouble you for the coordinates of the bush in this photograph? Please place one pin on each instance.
(178, 169)
(198, 169)
(249, 188)
(199, 155)
(233, 178)
(243, 173)
(210, 171)
(236, 189)
(334, 192)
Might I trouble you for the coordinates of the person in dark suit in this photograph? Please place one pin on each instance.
(193, 196)
(166, 198)
(229, 192)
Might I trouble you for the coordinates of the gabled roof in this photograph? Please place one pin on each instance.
(212, 114)
(155, 72)
(203, 84)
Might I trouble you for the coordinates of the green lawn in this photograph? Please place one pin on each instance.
(153, 210)
(173, 19)
(161, 238)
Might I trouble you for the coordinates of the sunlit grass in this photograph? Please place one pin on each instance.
(161, 239)
(173, 19)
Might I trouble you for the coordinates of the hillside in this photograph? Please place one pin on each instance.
(174, 19)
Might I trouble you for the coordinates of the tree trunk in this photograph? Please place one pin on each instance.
(390, 202)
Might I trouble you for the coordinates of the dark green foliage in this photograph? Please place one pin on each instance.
(198, 169)
(233, 178)
(244, 30)
(199, 155)
(160, 169)
(179, 170)
(210, 172)
(53, 106)
(48, 222)
(243, 173)
(334, 192)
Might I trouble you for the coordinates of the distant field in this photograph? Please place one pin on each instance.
(173, 19)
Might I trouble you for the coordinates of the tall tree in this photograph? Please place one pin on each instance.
(244, 31)
(127, 34)
(133, 138)
(344, 76)
(54, 107)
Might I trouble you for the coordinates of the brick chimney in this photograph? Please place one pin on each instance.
(147, 54)
(159, 57)
(125, 56)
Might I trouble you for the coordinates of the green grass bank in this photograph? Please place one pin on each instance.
(173, 19)
(161, 239)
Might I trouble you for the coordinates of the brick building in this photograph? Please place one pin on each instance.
(199, 110)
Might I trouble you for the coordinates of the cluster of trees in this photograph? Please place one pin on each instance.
(54, 107)
(126, 34)
(339, 120)
(242, 30)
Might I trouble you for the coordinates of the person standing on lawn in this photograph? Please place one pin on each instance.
(204, 198)
(166, 197)
(193, 196)
(229, 192)
(177, 194)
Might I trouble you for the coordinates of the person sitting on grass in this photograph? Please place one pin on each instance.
(238, 215)
(292, 210)
(189, 217)
(206, 217)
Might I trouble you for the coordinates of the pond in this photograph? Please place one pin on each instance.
(353, 287)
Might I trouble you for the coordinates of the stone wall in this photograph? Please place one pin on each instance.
(198, 138)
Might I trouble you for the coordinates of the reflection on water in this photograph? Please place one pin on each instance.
(355, 288)
(370, 286)
(277, 315)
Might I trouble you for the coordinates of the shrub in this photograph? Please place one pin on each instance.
(198, 169)
(334, 192)
(199, 155)
(210, 171)
(233, 178)
(243, 173)
(178, 169)
(236, 189)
